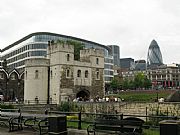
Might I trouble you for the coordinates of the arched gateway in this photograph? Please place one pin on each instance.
(83, 95)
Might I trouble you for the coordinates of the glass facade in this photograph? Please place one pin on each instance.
(154, 57)
(116, 54)
(35, 45)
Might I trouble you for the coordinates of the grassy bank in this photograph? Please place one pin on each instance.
(143, 95)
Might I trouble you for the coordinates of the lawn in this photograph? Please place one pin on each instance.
(143, 95)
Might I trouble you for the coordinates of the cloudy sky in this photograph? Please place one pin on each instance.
(131, 24)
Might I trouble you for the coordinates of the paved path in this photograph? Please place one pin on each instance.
(5, 131)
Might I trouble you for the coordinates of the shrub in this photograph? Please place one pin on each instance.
(4, 106)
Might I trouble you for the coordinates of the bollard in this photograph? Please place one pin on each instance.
(57, 125)
(169, 127)
(79, 120)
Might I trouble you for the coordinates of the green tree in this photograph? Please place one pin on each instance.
(125, 84)
(141, 81)
(114, 84)
(77, 47)
(147, 83)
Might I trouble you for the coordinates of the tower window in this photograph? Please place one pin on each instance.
(86, 74)
(97, 61)
(68, 57)
(67, 73)
(36, 74)
(79, 73)
(97, 74)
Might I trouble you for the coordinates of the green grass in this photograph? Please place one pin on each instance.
(151, 132)
(145, 96)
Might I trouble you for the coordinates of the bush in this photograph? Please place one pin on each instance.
(68, 107)
(3, 106)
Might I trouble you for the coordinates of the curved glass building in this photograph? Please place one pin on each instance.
(35, 46)
(154, 57)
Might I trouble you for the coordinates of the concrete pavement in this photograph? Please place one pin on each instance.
(5, 131)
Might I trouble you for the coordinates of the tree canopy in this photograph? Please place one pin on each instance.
(140, 81)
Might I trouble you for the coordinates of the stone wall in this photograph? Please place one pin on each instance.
(170, 109)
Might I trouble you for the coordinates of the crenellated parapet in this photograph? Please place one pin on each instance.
(58, 46)
(92, 52)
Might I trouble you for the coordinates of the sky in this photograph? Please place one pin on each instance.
(130, 24)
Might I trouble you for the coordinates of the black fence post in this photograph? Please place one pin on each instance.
(146, 114)
(121, 116)
(79, 120)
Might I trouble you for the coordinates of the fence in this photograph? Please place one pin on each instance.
(81, 120)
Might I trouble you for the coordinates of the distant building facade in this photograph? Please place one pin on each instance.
(165, 76)
(116, 54)
(127, 63)
(64, 77)
(11, 85)
(154, 57)
(140, 65)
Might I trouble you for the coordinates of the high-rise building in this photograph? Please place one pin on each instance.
(116, 54)
(35, 46)
(127, 63)
(154, 57)
(140, 65)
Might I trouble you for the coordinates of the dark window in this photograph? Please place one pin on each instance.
(68, 57)
(79, 73)
(97, 60)
(67, 73)
(36, 74)
(86, 74)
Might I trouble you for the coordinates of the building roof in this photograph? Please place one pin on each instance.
(153, 44)
(52, 34)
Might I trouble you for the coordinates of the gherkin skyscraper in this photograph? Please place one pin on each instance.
(154, 57)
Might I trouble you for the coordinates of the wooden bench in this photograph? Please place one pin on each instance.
(120, 127)
(11, 118)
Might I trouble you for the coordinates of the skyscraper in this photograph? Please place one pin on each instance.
(154, 57)
(116, 54)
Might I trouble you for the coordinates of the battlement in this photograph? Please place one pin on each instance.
(92, 52)
(41, 62)
(60, 46)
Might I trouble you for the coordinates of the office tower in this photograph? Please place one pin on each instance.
(154, 57)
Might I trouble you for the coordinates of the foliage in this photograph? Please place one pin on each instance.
(77, 47)
(140, 81)
(68, 107)
(125, 84)
(4, 106)
(115, 84)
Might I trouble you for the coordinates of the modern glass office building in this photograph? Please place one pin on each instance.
(116, 54)
(34, 46)
(154, 57)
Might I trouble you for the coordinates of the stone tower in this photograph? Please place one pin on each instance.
(69, 78)
(36, 80)
(61, 78)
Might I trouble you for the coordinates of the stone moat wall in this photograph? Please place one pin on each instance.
(136, 108)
